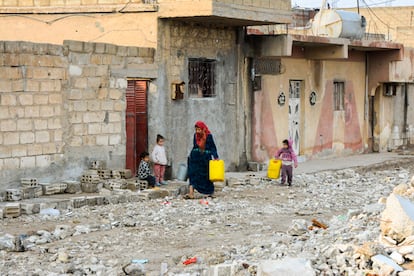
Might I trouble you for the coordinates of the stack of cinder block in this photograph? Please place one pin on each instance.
(53, 188)
(90, 181)
(30, 188)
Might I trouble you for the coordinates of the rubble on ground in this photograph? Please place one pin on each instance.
(329, 223)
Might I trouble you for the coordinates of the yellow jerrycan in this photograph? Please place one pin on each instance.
(273, 170)
(216, 170)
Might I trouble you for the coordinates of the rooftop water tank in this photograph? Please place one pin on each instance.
(337, 23)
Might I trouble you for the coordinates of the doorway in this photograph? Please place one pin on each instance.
(294, 113)
(136, 122)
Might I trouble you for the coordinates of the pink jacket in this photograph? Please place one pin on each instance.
(287, 155)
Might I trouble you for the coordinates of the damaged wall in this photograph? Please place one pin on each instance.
(175, 118)
(62, 106)
(323, 131)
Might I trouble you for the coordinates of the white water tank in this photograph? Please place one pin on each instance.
(337, 23)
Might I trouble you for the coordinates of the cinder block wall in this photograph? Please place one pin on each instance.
(61, 106)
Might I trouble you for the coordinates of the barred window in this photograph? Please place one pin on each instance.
(201, 77)
(339, 95)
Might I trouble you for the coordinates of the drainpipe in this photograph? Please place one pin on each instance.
(405, 126)
(366, 116)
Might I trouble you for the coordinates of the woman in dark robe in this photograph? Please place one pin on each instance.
(204, 149)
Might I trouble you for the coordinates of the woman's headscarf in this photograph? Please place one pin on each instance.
(201, 137)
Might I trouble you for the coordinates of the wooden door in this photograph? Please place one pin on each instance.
(136, 122)
(294, 114)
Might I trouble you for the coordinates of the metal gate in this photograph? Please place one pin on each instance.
(136, 122)
(294, 113)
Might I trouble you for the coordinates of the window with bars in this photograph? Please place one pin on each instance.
(201, 77)
(339, 95)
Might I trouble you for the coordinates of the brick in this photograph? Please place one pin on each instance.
(107, 105)
(43, 161)
(11, 73)
(26, 99)
(55, 98)
(119, 106)
(18, 85)
(122, 51)
(8, 125)
(47, 111)
(32, 86)
(50, 85)
(24, 124)
(88, 47)
(115, 139)
(4, 113)
(102, 70)
(27, 137)
(49, 148)
(117, 127)
(40, 99)
(115, 94)
(94, 105)
(79, 129)
(11, 163)
(5, 86)
(31, 111)
(42, 136)
(11, 138)
(99, 48)
(75, 94)
(76, 141)
(54, 123)
(109, 48)
(6, 99)
(12, 59)
(75, 70)
(89, 140)
(80, 83)
(5, 152)
(16, 111)
(96, 59)
(75, 118)
(114, 117)
(40, 124)
(103, 93)
(28, 162)
(19, 151)
(58, 135)
(94, 128)
(80, 106)
(93, 117)
(89, 94)
(74, 46)
(132, 51)
(102, 140)
(94, 82)
(35, 149)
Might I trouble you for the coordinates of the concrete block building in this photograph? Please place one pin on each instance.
(85, 80)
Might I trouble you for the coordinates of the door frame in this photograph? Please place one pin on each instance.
(297, 147)
(134, 145)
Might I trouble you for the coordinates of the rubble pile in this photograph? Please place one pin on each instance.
(328, 223)
(91, 181)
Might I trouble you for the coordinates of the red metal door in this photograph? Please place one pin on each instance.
(136, 122)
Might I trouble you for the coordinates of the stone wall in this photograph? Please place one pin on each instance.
(45, 3)
(62, 106)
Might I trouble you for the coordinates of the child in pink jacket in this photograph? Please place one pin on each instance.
(288, 157)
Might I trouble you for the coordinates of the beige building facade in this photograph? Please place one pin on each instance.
(86, 80)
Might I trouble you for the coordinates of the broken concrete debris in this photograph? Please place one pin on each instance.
(237, 229)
